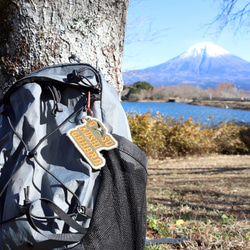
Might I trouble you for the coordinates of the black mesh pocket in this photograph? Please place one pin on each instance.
(119, 219)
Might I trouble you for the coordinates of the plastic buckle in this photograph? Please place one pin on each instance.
(84, 212)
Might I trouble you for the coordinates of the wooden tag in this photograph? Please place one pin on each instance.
(90, 138)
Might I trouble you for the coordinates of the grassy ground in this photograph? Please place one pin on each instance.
(205, 199)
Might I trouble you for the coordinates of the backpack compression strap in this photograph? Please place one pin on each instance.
(68, 237)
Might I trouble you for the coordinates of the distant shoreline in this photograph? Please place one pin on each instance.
(164, 100)
(242, 105)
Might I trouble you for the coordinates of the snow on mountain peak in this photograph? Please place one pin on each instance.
(207, 48)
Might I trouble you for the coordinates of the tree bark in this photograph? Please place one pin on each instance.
(38, 33)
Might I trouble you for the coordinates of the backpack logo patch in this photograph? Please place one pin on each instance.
(90, 138)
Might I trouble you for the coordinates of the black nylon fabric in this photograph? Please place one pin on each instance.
(119, 219)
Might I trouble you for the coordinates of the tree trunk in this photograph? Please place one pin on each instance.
(38, 33)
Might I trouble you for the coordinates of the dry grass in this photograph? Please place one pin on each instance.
(205, 199)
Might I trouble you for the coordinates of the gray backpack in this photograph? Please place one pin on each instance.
(70, 177)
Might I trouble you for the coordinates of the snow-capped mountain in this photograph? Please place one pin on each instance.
(209, 49)
(204, 64)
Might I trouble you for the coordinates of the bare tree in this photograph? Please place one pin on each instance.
(38, 33)
(234, 12)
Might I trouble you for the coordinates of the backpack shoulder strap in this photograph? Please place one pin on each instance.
(75, 74)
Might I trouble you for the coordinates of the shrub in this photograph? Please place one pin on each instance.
(143, 85)
(134, 97)
(134, 91)
(161, 136)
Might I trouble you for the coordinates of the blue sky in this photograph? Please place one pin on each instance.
(158, 30)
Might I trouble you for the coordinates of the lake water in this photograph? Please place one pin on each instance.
(198, 113)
